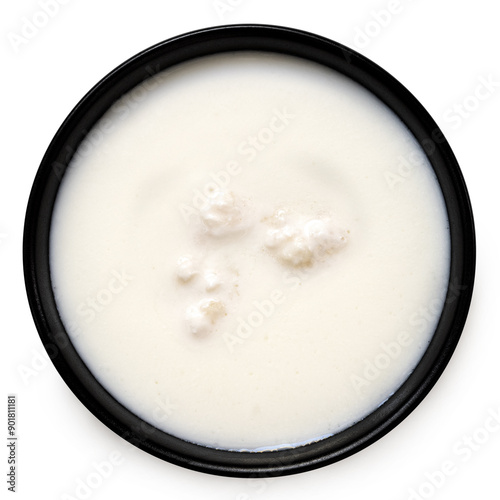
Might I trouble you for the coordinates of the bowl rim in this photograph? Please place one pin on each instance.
(148, 63)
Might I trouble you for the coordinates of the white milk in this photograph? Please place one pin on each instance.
(250, 251)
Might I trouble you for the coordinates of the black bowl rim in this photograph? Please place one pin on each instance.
(199, 43)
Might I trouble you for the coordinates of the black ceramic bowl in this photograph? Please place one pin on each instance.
(70, 365)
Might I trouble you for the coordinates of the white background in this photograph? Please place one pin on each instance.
(441, 51)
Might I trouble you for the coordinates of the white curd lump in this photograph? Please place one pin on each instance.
(250, 251)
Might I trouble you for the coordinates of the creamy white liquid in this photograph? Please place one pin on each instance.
(250, 251)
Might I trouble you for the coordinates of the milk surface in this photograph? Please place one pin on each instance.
(250, 251)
